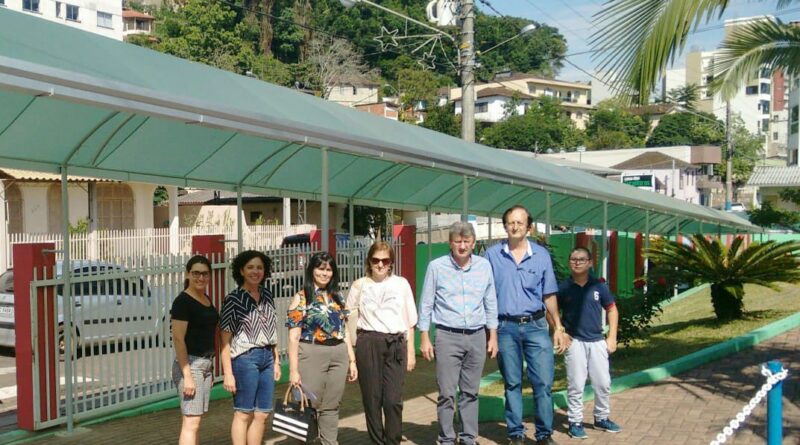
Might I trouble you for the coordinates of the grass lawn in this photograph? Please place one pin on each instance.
(687, 326)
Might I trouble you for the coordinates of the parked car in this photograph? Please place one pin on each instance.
(109, 307)
(737, 207)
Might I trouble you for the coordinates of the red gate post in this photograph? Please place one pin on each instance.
(407, 235)
(213, 248)
(316, 241)
(27, 259)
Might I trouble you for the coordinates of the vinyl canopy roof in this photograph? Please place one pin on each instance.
(111, 110)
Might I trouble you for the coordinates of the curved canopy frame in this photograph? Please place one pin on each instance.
(103, 108)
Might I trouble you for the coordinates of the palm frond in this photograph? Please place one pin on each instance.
(767, 42)
(636, 39)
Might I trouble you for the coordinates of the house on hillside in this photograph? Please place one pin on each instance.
(661, 173)
(491, 104)
(575, 97)
(653, 113)
(352, 93)
(135, 22)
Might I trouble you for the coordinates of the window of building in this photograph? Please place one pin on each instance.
(355, 90)
(764, 88)
(750, 90)
(765, 73)
(764, 125)
(114, 206)
(482, 107)
(549, 92)
(30, 5)
(256, 215)
(774, 135)
(764, 106)
(105, 20)
(14, 200)
(72, 13)
(58, 10)
(579, 115)
(531, 89)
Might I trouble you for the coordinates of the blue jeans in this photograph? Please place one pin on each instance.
(531, 341)
(255, 380)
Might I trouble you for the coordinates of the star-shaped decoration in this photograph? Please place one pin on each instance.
(387, 39)
(428, 61)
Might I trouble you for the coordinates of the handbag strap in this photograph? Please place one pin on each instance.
(304, 403)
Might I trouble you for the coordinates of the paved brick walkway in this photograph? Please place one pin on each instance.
(688, 409)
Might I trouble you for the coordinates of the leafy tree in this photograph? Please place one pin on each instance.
(206, 31)
(416, 86)
(654, 32)
(543, 126)
(612, 127)
(443, 119)
(768, 216)
(685, 96)
(746, 150)
(727, 269)
(511, 107)
(687, 129)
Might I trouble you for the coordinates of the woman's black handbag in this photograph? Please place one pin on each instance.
(296, 418)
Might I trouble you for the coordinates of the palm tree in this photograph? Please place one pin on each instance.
(685, 96)
(638, 39)
(727, 269)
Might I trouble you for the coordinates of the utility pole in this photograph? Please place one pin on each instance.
(467, 74)
(729, 165)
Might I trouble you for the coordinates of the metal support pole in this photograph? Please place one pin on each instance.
(547, 217)
(604, 244)
(490, 228)
(646, 237)
(66, 294)
(430, 248)
(239, 222)
(324, 210)
(287, 215)
(467, 75)
(351, 219)
(465, 200)
(775, 408)
(729, 165)
(351, 248)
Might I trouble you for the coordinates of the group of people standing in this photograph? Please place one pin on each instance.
(322, 355)
(502, 306)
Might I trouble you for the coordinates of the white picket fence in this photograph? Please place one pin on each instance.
(111, 244)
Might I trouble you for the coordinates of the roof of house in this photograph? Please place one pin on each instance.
(652, 109)
(768, 176)
(651, 160)
(503, 92)
(131, 14)
(501, 77)
(29, 175)
(589, 168)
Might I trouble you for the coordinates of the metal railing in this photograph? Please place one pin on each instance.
(121, 351)
(110, 244)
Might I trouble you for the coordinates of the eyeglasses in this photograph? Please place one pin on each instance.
(376, 261)
(198, 274)
(579, 260)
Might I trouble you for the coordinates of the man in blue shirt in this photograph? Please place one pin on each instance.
(526, 288)
(458, 297)
(582, 298)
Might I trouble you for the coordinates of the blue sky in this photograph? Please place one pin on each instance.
(573, 19)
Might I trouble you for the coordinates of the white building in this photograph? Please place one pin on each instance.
(761, 104)
(351, 94)
(575, 97)
(102, 17)
(492, 104)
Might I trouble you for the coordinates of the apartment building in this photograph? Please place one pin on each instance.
(761, 103)
(576, 97)
(102, 17)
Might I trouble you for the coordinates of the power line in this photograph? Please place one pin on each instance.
(490, 6)
(549, 17)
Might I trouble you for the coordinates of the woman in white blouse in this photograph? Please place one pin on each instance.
(386, 311)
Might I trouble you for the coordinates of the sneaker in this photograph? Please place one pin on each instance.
(606, 425)
(576, 431)
(516, 440)
(547, 440)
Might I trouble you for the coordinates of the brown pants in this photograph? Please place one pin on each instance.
(323, 370)
(381, 360)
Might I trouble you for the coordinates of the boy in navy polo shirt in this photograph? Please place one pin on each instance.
(582, 299)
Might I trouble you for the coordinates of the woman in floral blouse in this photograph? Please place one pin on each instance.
(321, 356)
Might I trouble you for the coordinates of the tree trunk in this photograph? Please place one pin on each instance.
(727, 301)
(265, 42)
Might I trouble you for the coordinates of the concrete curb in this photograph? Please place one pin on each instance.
(492, 408)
